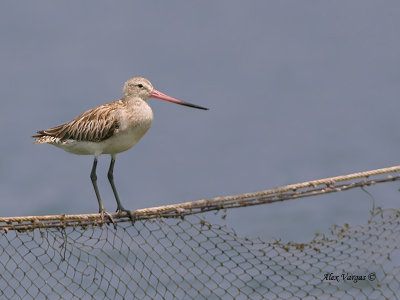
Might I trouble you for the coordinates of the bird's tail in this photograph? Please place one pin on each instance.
(41, 138)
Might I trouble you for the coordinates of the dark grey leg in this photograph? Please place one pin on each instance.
(93, 177)
(110, 176)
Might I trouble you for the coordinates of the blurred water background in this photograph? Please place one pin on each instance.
(297, 90)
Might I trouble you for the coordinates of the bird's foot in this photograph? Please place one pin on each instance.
(103, 213)
(130, 214)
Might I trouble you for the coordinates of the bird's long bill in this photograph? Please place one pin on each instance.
(159, 95)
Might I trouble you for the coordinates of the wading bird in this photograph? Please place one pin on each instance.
(109, 129)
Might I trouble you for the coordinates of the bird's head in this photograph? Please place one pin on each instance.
(142, 88)
(138, 87)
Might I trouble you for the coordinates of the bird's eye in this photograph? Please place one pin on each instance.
(140, 85)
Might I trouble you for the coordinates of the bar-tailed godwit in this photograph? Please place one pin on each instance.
(109, 129)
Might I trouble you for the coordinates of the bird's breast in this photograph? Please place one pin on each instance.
(134, 123)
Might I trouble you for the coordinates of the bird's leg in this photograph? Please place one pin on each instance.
(93, 177)
(110, 176)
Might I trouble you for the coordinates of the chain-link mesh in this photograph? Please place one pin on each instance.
(189, 257)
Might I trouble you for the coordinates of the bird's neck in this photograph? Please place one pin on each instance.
(133, 101)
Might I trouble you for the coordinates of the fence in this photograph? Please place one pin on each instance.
(172, 252)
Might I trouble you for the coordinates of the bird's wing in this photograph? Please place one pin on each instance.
(94, 125)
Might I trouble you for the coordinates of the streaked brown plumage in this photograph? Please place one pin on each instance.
(94, 125)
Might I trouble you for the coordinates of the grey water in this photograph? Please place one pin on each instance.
(296, 90)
